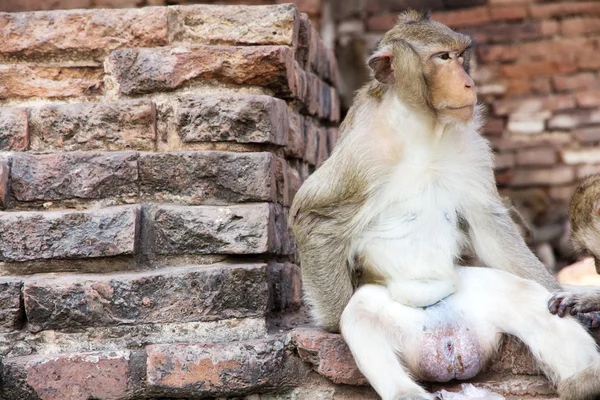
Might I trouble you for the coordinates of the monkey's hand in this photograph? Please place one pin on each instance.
(575, 302)
(590, 320)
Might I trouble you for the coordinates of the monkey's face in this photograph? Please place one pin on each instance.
(451, 89)
(427, 64)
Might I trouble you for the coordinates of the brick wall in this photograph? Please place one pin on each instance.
(147, 161)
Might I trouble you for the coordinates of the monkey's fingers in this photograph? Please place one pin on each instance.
(559, 304)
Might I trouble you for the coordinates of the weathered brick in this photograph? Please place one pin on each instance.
(533, 105)
(322, 147)
(304, 40)
(332, 138)
(234, 25)
(4, 178)
(509, 12)
(214, 370)
(36, 235)
(311, 7)
(285, 287)
(335, 112)
(531, 69)
(294, 183)
(586, 170)
(295, 145)
(281, 177)
(562, 193)
(580, 156)
(14, 129)
(494, 126)
(512, 32)
(328, 354)
(242, 229)
(543, 176)
(517, 87)
(118, 125)
(233, 117)
(182, 294)
(86, 175)
(588, 98)
(208, 177)
(382, 22)
(80, 34)
(97, 375)
(504, 161)
(579, 26)
(582, 80)
(562, 9)
(11, 311)
(574, 119)
(517, 141)
(311, 140)
(586, 135)
(139, 71)
(23, 81)
(528, 123)
(537, 156)
(22, 6)
(467, 17)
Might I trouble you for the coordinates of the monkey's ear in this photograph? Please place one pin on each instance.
(382, 64)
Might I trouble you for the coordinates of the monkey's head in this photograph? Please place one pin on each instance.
(427, 63)
(584, 217)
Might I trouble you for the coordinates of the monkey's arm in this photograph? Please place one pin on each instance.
(498, 244)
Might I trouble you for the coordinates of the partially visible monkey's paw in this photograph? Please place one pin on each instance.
(589, 320)
(418, 397)
(575, 303)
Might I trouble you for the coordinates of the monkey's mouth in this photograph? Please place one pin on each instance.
(460, 108)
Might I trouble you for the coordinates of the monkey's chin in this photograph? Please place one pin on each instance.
(457, 115)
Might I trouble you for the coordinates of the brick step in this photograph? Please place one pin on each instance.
(164, 370)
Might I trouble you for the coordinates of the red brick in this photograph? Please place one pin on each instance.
(80, 34)
(589, 98)
(311, 7)
(240, 118)
(234, 25)
(466, 17)
(494, 126)
(240, 229)
(549, 27)
(512, 32)
(322, 147)
(83, 175)
(139, 71)
(118, 125)
(328, 354)
(519, 141)
(304, 40)
(207, 177)
(33, 5)
(586, 170)
(12, 314)
(579, 26)
(574, 119)
(590, 61)
(335, 112)
(382, 23)
(294, 183)
(543, 176)
(214, 370)
(95, 375)
(516, 87)
(180, 294)
(332, 138)
(33, 235)
(537, 156)
(582, 80)
(14, 129)
(507, 13)
(561, 193)
(562, 9)
(504, 161)
(537, 68)
(531, 105)
(23, 81)
(4, 178)
(587, 135)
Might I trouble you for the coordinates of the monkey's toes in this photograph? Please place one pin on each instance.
(559, 304)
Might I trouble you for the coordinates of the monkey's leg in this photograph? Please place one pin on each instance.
(379, 330)
(562, 347)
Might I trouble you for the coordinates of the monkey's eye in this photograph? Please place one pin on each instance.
(445, 56)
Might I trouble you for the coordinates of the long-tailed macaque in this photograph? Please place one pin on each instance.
(584, 217)
(381, 224)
